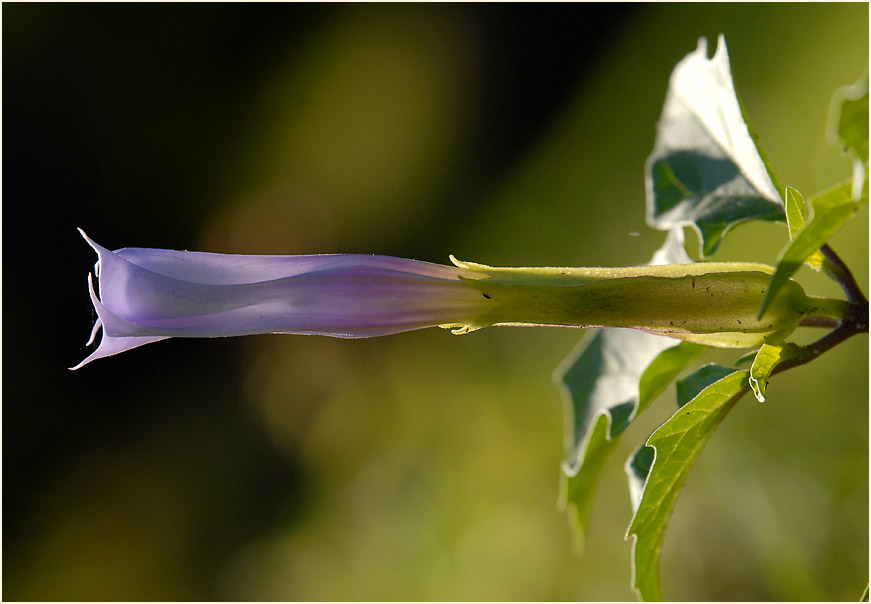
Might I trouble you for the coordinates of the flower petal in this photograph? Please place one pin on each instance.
(110, 345)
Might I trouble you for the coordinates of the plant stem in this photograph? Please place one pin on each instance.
(831, 308)
(843, 275)
(847, 329)
(820, 322)
(852, 322)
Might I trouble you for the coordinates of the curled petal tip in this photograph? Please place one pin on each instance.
(82, 364)
(85, 237)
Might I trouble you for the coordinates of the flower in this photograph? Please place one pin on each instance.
(147, 295)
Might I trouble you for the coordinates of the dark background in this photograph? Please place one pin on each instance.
(414, 467)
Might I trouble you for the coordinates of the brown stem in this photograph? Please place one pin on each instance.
(844, 331)
(819, 322)
(845, 278)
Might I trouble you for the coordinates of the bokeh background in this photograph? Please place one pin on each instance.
(419, 466)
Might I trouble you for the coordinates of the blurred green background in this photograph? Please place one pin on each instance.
(420, 466)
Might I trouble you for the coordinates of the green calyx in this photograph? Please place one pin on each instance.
(708, 303)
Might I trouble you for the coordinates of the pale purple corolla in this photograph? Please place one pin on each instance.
(147, 295)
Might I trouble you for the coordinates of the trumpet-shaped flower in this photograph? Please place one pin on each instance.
(147, 295)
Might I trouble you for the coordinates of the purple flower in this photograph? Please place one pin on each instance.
(147, 295)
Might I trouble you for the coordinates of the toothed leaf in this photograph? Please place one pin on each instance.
(713, 390)
(706, 170)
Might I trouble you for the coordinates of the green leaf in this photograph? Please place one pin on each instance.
(831, 210)
(672, 250)
(796, 216)
(746, 358)
(848, 126)
(660, 373)
(689, 387)
(860, 180)
(796, 211)
(848, 118)
(706, 170)
(769, 356)
(713, 391)
(611, 377)
(637, 468)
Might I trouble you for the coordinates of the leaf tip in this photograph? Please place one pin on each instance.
(722, 52)
(758, 389)
(767, 298)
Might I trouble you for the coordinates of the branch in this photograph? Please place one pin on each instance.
(819, 322)
(847, 329)
(844, 276)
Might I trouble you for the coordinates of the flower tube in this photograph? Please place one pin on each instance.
(147, 295)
